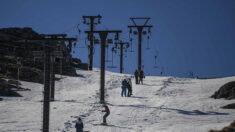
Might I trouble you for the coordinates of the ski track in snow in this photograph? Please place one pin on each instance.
(161, 104)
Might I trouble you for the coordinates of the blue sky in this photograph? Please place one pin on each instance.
(189, 35)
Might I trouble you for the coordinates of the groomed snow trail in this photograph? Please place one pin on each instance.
(161, 104)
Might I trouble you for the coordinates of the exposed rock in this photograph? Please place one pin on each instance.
(9, 69)
(230, 128)
(6, 89)
(227, 91)
(229, 106)
(13, 82)
(78, 64)
(20, 42)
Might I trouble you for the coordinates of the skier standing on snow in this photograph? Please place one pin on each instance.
(124, 86)
(79, 125)
(136, 77)
(129, 87)
(106, 114)
(141, 76)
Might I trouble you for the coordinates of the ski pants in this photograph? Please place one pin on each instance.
(105, 116)
(129, 93)
(141, 80)
(123, 91)
(136, 80)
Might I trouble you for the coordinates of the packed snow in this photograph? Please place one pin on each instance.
(161, 104)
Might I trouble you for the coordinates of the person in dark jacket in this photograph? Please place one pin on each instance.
(79, 125)
(129, 87)
(106, 114)
(124, 87)
(136, 77)
(123, 93)
(141, 76)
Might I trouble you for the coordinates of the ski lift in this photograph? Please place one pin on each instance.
(135, 32)
(74, 44)
(155, 62)
(162, 70)
(110, 41)
(131, 49)
(99, 16)
(147, 48)
(149, 30)
(113, 51)
(107, 49)
(125, 53)
(84, 20)
(116, 46)
(96, 41)
(116, 36)
(79, 30)
(127, 45)
(155, 59)
(130, 31)
(144, 32)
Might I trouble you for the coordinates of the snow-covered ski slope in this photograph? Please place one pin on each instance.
(162, 104)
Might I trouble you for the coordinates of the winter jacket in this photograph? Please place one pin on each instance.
(79, 127)
(141, 74)
(124, 82)
(106, 109)
(136, 74)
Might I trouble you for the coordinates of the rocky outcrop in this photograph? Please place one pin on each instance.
(21, 43)
(230, 128)
(8, 89)
(227, 91)
(229, 106)
(9, 69)
(78, 64)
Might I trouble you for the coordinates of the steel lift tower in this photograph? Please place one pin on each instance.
(90, 36)
(103, 36)
(140, 28)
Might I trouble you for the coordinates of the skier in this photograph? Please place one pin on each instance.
(124, 86)
(136, 77)
(129, 87)
(141, 76)
(106, 114)
(79, 125)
